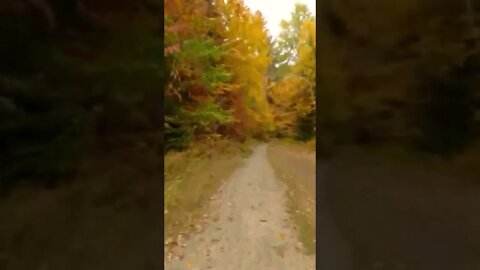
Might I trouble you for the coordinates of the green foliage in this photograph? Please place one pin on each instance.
(176, 135)
(293, 98)
(200, 50)
(182, 124)
(284, 48)
(206, 114)
(306, 127)
(212, 77)
(217, 65)
(197, 59)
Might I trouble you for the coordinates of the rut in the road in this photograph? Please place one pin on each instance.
(250, 229)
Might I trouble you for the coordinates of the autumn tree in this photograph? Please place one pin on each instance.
(285, 47)
(247, 59)
(217, 54)
(305, 68)
(293, 98)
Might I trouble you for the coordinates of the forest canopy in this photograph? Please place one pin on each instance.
(224, 75)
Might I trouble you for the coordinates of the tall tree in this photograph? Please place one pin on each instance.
(293, 97)
(284, 51)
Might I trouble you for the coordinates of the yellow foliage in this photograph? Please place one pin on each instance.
(283, 95)
(239, 49)
(247, 58)
(306, 50)
(294, 96)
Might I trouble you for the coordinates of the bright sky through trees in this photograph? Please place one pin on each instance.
(276, 10)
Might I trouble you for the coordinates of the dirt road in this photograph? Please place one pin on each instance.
(248, 227)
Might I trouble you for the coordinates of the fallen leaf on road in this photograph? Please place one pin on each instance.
(299, 246)
(282, 236)
(177, 253)
(280, 251)
(189, 265)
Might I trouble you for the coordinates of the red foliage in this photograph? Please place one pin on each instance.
(198, 92)
(171, 49)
